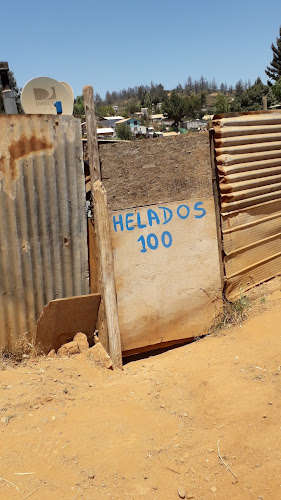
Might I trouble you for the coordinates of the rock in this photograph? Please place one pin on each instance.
(189, 496)
(98, 354)
(51, 354)
(213, 489)
(82, 341)
(68, 349)
(4, 420)
(91, 475)
(181, 493)
(270, 403)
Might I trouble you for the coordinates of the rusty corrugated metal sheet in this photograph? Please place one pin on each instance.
(248, 159)
(43, 235)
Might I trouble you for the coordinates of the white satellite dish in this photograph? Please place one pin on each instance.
(68, 88)
(39, 94)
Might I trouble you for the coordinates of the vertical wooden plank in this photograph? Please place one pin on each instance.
(92, 140)
(108, 324)
(95, 283)
(108, 289)
(95, 174)
(93, 258)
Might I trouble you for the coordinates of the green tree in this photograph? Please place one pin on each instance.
(123, 131)
(17, 91)
(275, 92)
(147, 102)
(239, 89)
(251, 99)
(193, 106)
(274, 69)
(132, 107)
(78, 107)
(103, 110)
(175, 107)
(221, 104)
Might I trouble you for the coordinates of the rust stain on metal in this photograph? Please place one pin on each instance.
(21, 148)
(248, 159)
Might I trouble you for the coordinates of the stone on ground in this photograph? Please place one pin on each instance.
(98, 354)
(82, 341)
(68, 349)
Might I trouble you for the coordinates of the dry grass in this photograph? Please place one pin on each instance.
(22, 349)
(234, 313)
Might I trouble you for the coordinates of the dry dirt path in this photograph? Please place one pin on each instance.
(83, 432)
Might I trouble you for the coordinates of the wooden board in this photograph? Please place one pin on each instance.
(167, 271)
(106, 273)
(61, 319)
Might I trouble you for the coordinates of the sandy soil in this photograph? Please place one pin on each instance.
(77, 431)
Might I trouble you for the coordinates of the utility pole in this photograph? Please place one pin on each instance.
(8, 95)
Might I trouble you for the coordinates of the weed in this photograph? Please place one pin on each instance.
(18, 351)
(233, 313)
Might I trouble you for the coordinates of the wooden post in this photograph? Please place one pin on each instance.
(108, 323)
(108, 289)
(92, 140)
(264, 102)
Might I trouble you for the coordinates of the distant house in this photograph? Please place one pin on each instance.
(105, 132)
(134, 124)
(150, 131)
(110, 121)
(157, 118)
(193, 124)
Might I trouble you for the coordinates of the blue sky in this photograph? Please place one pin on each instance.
(115, 44)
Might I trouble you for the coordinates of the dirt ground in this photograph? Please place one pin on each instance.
(161, 427)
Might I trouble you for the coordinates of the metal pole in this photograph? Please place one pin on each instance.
(8, 95)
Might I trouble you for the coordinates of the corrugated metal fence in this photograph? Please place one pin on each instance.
(43, 235)
(248, 159)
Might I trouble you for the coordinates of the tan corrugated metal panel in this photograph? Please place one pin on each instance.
(248, 158)
(43, 235)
